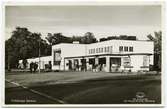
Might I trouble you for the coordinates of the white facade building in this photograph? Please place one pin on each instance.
(109, 56)
(44, 60)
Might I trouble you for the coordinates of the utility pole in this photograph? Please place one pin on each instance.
(39, 56)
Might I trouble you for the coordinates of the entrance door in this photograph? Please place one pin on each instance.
(115, 64)
(76, 64)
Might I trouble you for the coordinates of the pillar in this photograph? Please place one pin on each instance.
(107, 69)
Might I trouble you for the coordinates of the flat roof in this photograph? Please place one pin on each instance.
(106, 41)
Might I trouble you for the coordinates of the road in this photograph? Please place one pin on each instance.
(102, 91)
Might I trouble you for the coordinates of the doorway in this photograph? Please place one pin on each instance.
(115, 64)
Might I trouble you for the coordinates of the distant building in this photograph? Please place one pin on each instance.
(108, 56)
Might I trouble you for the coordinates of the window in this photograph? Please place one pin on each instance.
(89, 51)
(125, 48)
(131, 49)
(120, 48)
(110, 49)
(99, 50)
(126, 61)
(96, 50)
(102, 50)
(105, 49)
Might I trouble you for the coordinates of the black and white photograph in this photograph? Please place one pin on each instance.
(83, 54)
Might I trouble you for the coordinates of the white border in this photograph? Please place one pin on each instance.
(97, 2)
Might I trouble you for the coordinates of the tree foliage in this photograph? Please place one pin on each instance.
(57, 38)
(157, 38)
(22, 45)
(121, 37)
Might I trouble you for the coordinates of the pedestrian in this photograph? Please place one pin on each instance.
(35, 66)
(31, 67)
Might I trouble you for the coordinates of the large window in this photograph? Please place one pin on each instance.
(126, 61)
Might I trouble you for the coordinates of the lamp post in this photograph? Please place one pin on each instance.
(39, 55)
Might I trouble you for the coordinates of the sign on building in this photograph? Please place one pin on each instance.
(57, 57)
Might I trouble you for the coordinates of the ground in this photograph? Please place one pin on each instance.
(82, 88)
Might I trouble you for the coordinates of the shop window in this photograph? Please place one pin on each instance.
(126, 61)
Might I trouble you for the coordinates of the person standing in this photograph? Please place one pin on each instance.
(31, 67)
(35, 66)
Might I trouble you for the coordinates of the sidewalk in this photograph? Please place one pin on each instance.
(28, 79)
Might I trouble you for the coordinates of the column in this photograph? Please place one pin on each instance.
(87, 64)
(72, 63)
(107, 69)
(96, 64)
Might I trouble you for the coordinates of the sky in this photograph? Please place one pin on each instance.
(103, 21)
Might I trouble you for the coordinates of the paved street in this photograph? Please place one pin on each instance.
(104, 90)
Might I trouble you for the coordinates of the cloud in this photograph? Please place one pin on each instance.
(70, 20)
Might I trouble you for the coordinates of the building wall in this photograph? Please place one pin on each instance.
(79, 50)
(67, 50)
(138, 46)
(43, 60)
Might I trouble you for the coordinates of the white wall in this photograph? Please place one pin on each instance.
(137, 62)
(75, 50)
(138, 46)
(68, 50)
(44, 60)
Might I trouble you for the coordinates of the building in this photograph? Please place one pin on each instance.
(109, 56)
(45, 61)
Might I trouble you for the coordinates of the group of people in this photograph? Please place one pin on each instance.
(33, 67)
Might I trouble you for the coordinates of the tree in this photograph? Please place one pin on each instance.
(51, 39)
(88, 38)
(23, 44)
(13, 45)
(57, 38)
(157, 48)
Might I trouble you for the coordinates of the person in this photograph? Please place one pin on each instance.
(35, 66)
(31, 67)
